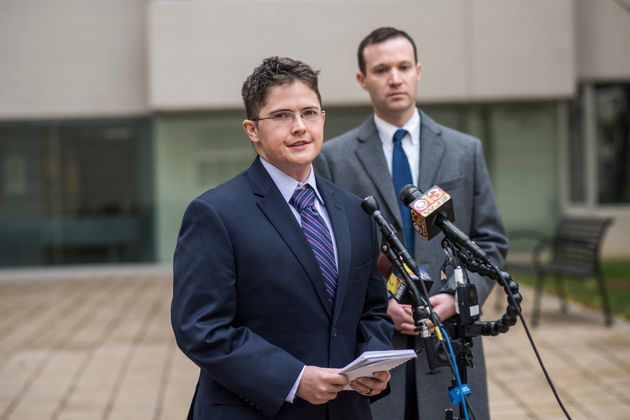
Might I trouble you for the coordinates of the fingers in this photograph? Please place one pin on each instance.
(408, 328)
(320, 385)
(443, 305)
(402, 315)
(382, 376)
(407, 309)
(373, 385)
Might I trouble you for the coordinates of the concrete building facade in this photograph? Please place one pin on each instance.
(114, 115)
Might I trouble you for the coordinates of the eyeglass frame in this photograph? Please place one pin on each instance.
(293, 118)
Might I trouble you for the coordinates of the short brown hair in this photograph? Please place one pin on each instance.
(381, 35)
(275, 71)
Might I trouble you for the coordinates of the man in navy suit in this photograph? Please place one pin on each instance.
(275, 279)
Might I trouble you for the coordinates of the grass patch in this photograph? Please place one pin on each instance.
(585, 291)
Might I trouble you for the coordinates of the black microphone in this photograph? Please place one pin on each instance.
(398, 275)
(394, 251)
(433, 210)
(370, 206)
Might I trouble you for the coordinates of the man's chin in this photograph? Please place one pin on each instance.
(398, 104)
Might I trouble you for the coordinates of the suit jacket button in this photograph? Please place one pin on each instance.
(334, 332)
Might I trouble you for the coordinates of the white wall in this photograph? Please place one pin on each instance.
(201, 51)
(72, 58)
(603, 38)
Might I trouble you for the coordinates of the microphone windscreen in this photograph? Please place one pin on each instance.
(409, 193)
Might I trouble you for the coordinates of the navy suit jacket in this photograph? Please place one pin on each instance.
(249, 305)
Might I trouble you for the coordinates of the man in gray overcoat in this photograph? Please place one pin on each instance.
(400, 142)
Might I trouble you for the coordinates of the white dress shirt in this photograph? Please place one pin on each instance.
(410, 143)
(287, 186)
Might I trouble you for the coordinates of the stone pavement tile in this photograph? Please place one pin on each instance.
(81, 414)
(621, 382)
(508, 405)
(48, 386)
(14, 376)
(74, 315)
(137, 379)
(606, 410)
(92, 390)
(180, 387)
(577, 353)
(142, 384)
(104, 349)
(132, 413)
(58, 367)
(42, 327)
(20, 308)
(513, 415)
(586, 390)
(40, 412)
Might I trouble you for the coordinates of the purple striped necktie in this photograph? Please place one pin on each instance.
(318, 235)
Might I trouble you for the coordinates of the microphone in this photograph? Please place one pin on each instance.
(370, 206)
(432, 212)
(396, 282)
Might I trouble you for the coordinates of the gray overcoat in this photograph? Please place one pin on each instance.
(455, 162)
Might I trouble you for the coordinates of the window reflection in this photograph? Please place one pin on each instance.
(612, 104)
(75, 192)
(609, 114)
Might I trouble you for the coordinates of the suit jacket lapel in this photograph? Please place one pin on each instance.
(432, 150)
(339, 222)
(277, 211)
(370, 154)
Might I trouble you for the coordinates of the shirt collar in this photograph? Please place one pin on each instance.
(386, 130)
(286, 184)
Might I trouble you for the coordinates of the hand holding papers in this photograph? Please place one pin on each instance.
(375, 361)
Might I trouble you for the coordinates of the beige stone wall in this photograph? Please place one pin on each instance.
(72, 58)
(471, 50)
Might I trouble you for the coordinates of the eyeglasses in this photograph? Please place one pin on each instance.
(288, 117)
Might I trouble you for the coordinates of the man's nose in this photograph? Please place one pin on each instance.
(394, 77)
(298, 122)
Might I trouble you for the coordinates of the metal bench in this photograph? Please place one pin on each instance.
(573, 250)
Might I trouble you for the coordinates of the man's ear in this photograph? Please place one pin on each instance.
(361, 79)
(251, 129)
(419, 70)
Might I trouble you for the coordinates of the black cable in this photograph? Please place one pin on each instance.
(542, 366)
(492, 271)
(533, 344)
(470, 409)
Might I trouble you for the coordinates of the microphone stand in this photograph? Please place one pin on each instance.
(467, 323)
(422, 311)
(420, 306)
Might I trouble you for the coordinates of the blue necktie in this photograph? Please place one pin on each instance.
(318, 235)
(401, 175)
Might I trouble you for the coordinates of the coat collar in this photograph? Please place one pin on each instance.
(370, 154)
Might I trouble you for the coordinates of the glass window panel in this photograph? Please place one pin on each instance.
(575, 152)
(612, 104)
(75, 192)
(23, 157)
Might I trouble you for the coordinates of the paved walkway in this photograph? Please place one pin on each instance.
(97, 344)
